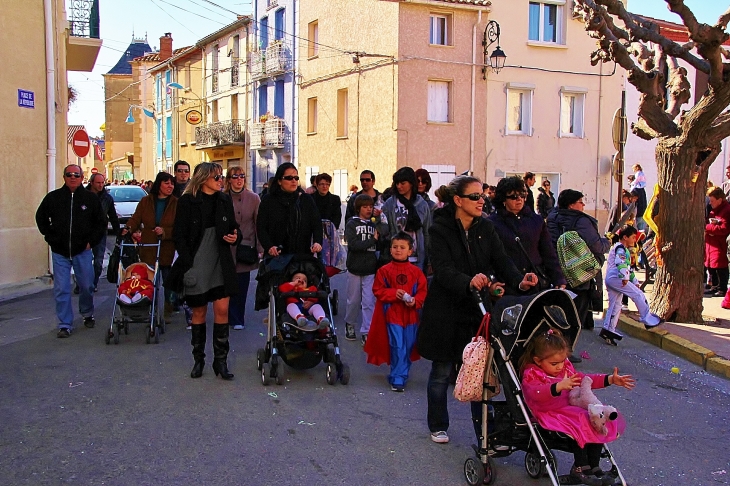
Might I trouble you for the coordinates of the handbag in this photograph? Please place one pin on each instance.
(247, 255)
(543, 282)
(470, 381)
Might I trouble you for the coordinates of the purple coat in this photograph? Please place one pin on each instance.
(535, 238)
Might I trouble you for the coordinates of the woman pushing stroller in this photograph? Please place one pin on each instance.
(547, 378)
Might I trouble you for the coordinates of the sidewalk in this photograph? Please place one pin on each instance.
(707, 345)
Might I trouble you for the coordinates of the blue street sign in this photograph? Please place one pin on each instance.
(26, 99)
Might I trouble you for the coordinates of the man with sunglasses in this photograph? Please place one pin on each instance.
(182, 177)
(367, 181)
(72, 222)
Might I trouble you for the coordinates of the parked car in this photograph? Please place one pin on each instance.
(125, 201)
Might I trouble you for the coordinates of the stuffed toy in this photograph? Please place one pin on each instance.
(582, 396)
(137, 286)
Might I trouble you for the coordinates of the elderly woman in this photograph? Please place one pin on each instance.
(246, 253)
(717, 230)
(288, 221)
(465, 252)
(205, 231)
(524, 234)
(153, 220)
(328, 204)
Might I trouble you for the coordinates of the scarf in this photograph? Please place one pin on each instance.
(413, 223)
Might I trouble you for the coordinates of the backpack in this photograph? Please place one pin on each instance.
(576, 259)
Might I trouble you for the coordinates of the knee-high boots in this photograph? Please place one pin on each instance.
(220, 351)
(197, 339)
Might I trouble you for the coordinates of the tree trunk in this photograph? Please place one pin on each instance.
(679, 285)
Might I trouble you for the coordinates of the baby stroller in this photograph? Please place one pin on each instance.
(285, 342)
(146, 310)
(517, 320)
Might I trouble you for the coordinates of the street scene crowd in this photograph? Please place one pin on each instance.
(412, 267)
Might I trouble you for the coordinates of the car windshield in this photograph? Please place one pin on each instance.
(127, 193)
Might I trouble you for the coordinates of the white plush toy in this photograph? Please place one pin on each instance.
(582, 396)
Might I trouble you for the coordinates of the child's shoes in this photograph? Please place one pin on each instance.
(301, 321)
(324, 323)
(652, 320)
(125, 298)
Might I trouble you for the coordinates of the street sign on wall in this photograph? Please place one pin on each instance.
(26, 99)
(80, 143)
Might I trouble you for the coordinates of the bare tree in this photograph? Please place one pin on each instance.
(688, 141)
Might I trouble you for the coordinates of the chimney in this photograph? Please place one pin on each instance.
(166, 46)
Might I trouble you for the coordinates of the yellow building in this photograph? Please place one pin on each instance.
(39, 42)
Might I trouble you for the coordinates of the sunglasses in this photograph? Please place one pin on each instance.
(237, 176)
(182, 170)
(514, 197)
(473, 197)
(72, 174)
(366, 180)
(217, 177)
(290, 178)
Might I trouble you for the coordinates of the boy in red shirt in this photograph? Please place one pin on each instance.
(400, 289)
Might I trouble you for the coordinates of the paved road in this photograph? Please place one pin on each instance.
(77, 411)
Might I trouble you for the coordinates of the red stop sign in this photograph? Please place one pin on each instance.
(80, 143)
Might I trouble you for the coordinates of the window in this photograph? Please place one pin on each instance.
(168, 137)
(312, 115)
(214, 69)
(341, 113)
(159, 138)
(168, 90)
(439, 101)
(264, 25)
(440, 33)
(546, 22)
(279, 24)
(279, 99)
(572, 101)
(263, 100)
(519, 109)
(313, 36)
(214, 110)
(234, 107)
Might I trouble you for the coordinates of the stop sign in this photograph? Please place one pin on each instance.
(80, 143)
(94, 170)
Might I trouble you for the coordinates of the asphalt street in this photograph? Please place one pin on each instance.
(77, 411)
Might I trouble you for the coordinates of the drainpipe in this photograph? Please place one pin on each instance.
(598, 143)
(50, 106)
(473, 91)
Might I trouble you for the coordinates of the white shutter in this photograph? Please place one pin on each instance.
(438, 101)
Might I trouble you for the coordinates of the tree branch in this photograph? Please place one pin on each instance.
(723, 20)
(719, 130)
(643, 131)
(678, 88)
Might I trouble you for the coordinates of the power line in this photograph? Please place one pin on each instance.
(193, 13)
(222, 8)
(173, 18)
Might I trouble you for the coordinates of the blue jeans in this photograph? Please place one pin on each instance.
(401, 340)
(437, 390)
(84, 272)
(237, 303)
(98, 252)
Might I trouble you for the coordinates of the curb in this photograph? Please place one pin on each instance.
(25, 288)
(676, 345)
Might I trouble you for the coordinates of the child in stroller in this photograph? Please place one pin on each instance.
(297, 307)
(547, 377)
(137, 284)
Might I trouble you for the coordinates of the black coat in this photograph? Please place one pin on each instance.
(535, 239)
(70, 221)
(561, 220)
(329, 207)
(188, 234)
(450, 316)
(289, 220)
(545, 202)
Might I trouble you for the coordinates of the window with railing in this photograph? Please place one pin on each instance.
(83, 18)
(214, 69)
(229, 132)
(234, 74)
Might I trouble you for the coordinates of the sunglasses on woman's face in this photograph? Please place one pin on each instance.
(473, 197)
(514, 197)
(217, 177)
(290, 178)
(237, 176)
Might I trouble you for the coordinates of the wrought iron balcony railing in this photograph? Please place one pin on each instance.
(229, 132)
(83, 18)
(270, 134)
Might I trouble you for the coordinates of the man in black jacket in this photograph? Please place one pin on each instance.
(182, 177)
(96, 186)
(71, 220)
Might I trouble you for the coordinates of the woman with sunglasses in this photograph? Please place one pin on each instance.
(205, 231)
(246, 207)
(465, 253)
(288, 221)
(545, 200)
(513, 219)
(423, 181)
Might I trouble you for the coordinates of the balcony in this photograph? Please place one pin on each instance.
(220, 134)
(270, 134)
(275, 59)
(271, 4)
(234, 74)
(257, 65)
(82, 43)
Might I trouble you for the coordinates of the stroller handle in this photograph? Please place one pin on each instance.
(479, 300)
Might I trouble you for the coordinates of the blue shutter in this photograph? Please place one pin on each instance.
(279, 24)
(168, 136)
(159, 139)
(263, 105)
(279, 99)
(264, 25)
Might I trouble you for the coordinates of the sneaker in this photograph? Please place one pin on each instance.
(578, 476)
(324, 323)
(652, 321)
(440, 437)
(624, 307)
(189, 327)
(363, 338)
(397, 388)
(608, 336)
(302, 322)
(350, 332)
(711, 291)
(238, 327)
(89, 322)
(63, 333)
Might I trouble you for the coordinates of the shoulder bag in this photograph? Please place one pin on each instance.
(476, 358)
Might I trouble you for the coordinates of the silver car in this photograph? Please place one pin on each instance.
(125, 201)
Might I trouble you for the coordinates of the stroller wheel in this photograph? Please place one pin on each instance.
(157, 335)
(473, 472)
(126, 327)
(116, 337)
(533, 465)
(331, 374)
(279, 373)
(265, 373)
(260, 358)
(490, 472)
(345, 378)
(108, 337)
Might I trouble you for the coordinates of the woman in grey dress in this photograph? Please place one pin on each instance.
(205, 231)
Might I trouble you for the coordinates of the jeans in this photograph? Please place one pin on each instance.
(98, 252)
(84, 272)
(237, 303)
(438, 387)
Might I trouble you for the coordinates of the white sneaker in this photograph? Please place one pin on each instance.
(440, 437)
(238, 327)
(624, 307)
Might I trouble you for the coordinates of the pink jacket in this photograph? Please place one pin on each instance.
(715, 237)
(555, 413)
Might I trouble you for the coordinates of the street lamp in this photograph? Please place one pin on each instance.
(497, 59)
(130, 118)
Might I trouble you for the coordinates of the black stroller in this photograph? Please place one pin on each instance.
(285, 341)
(515, 321)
